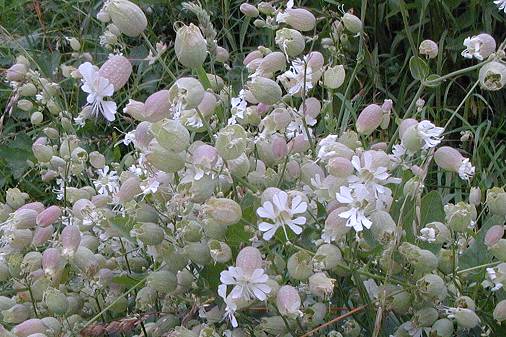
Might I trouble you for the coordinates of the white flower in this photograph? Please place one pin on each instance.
(281, 214)
(129, 138)
(398, 151)
(466, 170)
(427, 234)
(97, 88)
(472, 45)
(231, 307)
(80, 121)
(107, 182)
(325, 145)
(246, 285)
(281, 16)
(297, 80)
(501, 4)
(149, 186)
(238, 107)
(430, 134)
(491, 274)
(355, 215)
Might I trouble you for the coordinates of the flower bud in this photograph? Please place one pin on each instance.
(74, 43)
(56, 301)
(127, 16)
(162, 281)
(299, 266)
(71, 239)
(24, 218)
(265, 90)
(29, 327)
(298, 18)
(475, 196)
(369, 119)
(190, 46)
(220, 251)
(48, 216)
(117, 69)
(249, 259)
(428, 48)
(249, 10)
(352, 23)
(171, 134)
(492, 76)
(36, 118)
(222, 55)
(42, 234)
(16, 72)
(334, 77)
(288, 300)
(290, 41)
(500, 311)
(231, 142)
(383, 226)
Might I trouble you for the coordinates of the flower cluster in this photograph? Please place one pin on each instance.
(247, 209)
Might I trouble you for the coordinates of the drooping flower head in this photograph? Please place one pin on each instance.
(98, 88)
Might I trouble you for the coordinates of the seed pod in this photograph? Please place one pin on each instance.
(299, 266)
(249, 259)
(298, 18)
(428, 48)
(145, 299)
(265, 90)
(117, 69)
(492, 76)
(425, 316)
(328, 256)
(16, 314)
(496, 201)
(56, 301)
(86, 261)
(71, 239)
(448, 158)
(186, 91)
(162, 281)
(442, 328)
(288, 300)
(334, 77)
(321, 285)
(271, 63)
(164, 160)
(290, 41)
(25, 105)
(369, 119)
(150, 233)
(466, 318)
(432, 287)
(352, 23)
(190, 46)
(127, 16)
(493, 235)
(498, 250)
(198, 252)
(29, 327)
(224, 211)
(220, 251)
(335, 226)
(16, 72)
(249, 10)
(500, 311)
(231, 142)
(459, 216)
(171, 134)
(383, 226)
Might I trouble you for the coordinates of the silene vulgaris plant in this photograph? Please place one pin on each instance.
(269, 204)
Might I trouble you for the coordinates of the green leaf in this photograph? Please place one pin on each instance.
(121, 227)
(128, 280)
(419, 68)
(17, 154)
(211, 274)
(432, 77)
